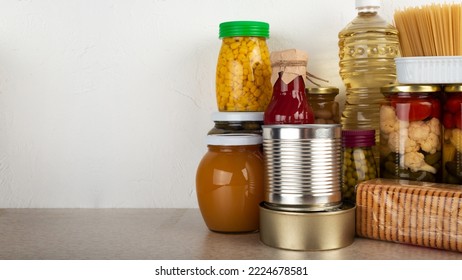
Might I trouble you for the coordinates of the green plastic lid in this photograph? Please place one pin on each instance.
(244, 28)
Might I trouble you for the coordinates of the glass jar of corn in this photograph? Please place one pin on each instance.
(243, 74)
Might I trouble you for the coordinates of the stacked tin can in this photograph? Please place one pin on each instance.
(303, 204)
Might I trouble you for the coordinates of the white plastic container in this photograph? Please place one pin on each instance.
(429, 70)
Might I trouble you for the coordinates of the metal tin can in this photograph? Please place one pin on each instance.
(325, 230)
(410, 133)
(303, 167)
(452, 142)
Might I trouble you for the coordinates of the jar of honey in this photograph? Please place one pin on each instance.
(229, 183)
(243, 74)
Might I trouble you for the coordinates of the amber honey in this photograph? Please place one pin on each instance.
(229, 183)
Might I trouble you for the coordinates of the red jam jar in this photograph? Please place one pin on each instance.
(229, 183)
(452, 140)
(411, 133)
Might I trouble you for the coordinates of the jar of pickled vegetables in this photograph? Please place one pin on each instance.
(411, 133)
(229, 182)
(452, 142)
(322, 101)
(358, 160)
(237, 122)
(243, 74)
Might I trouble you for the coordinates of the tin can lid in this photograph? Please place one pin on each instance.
(233, 139)
(238, 116)
(358, 138)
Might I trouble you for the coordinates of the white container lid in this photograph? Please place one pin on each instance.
(237, 116)
(367, 3)
(233, 139)
(429, 70)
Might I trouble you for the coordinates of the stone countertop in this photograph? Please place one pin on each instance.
(160, 234)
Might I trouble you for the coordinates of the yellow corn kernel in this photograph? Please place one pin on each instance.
(235, 45)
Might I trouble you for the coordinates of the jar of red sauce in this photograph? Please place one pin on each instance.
(411, 133)
(452, 141)
(288, 103)
(229, 183)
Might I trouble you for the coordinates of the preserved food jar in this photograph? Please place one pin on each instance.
(325, 108)
(243, 69)
(229, 182)
(452, 143)
(358, 160)
(288, 104)
(237, 122)
(410, 133)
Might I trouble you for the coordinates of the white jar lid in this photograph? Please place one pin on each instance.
(367, 3)
(237, 116)
(234, 139)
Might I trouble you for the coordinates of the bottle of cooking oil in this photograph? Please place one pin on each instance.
(367, 48)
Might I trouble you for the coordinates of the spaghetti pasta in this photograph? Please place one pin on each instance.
(430, 30)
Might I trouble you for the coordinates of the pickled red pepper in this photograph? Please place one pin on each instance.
(288, 104)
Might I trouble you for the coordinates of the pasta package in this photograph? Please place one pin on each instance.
(417, 213)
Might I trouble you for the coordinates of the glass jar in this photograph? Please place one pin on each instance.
(229, 182)
(237, 122)
(452, 143)
(325, 108)
(243, 69)
(410, 133)
(288, 104)
(358, 160)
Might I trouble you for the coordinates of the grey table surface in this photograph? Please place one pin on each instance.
(160, 234)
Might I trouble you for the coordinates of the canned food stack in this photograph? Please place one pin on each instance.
(302, 208)
(229, 179)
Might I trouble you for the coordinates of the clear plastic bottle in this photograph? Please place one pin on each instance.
(367, 48)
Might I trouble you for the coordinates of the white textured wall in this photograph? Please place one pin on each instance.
(107, 103)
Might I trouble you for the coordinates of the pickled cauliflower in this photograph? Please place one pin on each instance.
(426, 134)
(415, 162)
(418, 131)
(412, 139)
(388, 119)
